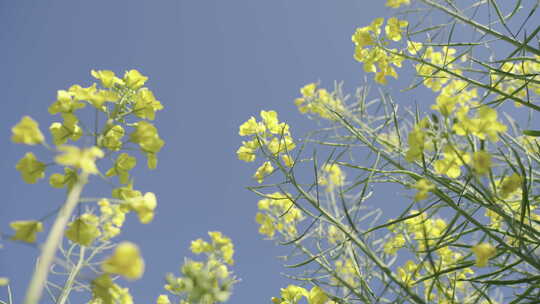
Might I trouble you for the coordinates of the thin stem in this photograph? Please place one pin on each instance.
(71, 279)
(39, 279)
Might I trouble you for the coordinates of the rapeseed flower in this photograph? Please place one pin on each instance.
(27, 132)
(83, 230)
(30, 168)
(483, 253)
(125, 261)
(26, 231)
(83, 159)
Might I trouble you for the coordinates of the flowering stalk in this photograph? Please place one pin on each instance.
(39, 279)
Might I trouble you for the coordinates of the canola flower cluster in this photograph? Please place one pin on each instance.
(128, 107)
(456, 147)
(277, 212)
(209, 281)
(269, 135)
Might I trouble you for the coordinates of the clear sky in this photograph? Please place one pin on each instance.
(213, 64)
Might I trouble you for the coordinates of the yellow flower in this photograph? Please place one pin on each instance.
(146, 104)
(483, 125)
(69, 179)
(264, 170)
(414, 47)
(423, 186)
(510, 184)
(308, 90)
(452, 162)
(200, 246)
(163, 299)
(112, 138)
(83, 159)
(26, 230)
(251, 127)
(397, 3)
(287, 160)
(144, 206)
(105, 291)
(336, 175)
(125, 261)
(27, 132)
(393, 28)
(394, 244)
(83, 230)
(69, 129)
(134, 79)
(266, 224)
(224, 245)
(418, 141)
(247, 151)
(30, 168)
(124, 162)
(293, 293)
(146, 135)
(107, 78)
(4, 281)
(481, 162)
(483, 252)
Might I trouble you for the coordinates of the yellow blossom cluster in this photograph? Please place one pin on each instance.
(418, 141)
(220, 245)
(278, 213)
(209, 281)
(434, 75)
(375, 58)
(292, 294)
(424, 234)
(269, 134)
(519, 79)
(397, 3)
(332, 177)
(318, 102)
(105, 291)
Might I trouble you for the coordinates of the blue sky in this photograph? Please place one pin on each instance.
(212, 64)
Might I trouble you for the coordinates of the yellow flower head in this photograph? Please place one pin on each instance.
(107, 78)
(26, 230)
(83, 159)
(393, 28)
(481, 162)
(200, 246)
(144, 206)
(125, 261)
(83, 230)
(30, 168)
(423, 186)
(333, 176)
(69, 179)
(163, 299)
(251, 127)
(264, 170)
(146, 104)
(414, 47)
(483, 253)
(69, 129)
(397, 3)
(27, 132)
(124, 162)
(224, 245)
(293, 293)
(134, 79)
(510, 184)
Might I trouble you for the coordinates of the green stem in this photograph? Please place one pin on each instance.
(71, 279)
(39, 279)
(483, 28)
